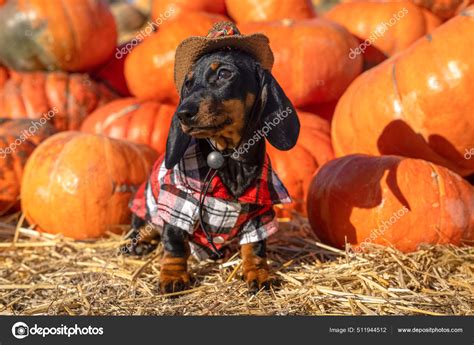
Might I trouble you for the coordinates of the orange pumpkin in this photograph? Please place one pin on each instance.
(444, 9)
(164, 10)
(390, 200)
(79, 184)
(413, 104)
(4, 75)
(112, 73)
(73, 35)
(297, 166)
(66, 99)
(388, 26)
(269, 10)
(324, 110)
(149, 67)
(312, 61)
(143, 122)
(18, 139)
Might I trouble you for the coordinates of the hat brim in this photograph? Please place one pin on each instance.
(192, 48)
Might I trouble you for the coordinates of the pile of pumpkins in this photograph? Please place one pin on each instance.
(386, 148)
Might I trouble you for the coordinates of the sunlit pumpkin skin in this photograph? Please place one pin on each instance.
(149, 67)
(296, 167)
(242, 11)
(73, 35)
(79, 184)
(143, 122)
(69, 98)
(389, 26)
(164, 10)
(390, 200)
(312, 61)
(444, 9)
(18, 139)
(418, 104)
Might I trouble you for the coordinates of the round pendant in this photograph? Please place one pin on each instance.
(215, 160)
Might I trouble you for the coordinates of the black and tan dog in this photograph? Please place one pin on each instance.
(229, 104)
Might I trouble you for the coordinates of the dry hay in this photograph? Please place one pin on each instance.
(45, 274)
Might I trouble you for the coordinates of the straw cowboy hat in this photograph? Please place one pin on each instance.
(223, 35)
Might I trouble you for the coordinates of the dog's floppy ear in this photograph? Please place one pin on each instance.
(177, 143)
(278, 118)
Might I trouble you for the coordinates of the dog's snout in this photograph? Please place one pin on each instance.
(186, 113)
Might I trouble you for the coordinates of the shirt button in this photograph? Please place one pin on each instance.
(218, 240)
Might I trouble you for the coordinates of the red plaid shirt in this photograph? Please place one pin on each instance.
(172, 196)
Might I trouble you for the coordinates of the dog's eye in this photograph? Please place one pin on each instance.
(187, 84)
(224, 74)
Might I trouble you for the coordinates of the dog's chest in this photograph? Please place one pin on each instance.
(172, 196)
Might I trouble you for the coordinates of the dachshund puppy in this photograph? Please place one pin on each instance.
(229, 105)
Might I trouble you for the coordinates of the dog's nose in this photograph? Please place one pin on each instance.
(186, 113)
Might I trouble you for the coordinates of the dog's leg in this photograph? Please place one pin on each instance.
(174, 275)
(144, 238)
(254, 265)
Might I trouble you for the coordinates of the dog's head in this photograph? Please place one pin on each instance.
(227, 97)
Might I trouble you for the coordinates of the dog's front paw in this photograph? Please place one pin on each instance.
(257, 278)
(174, 282)
(174, 276)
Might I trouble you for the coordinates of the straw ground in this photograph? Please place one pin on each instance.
(44, 274)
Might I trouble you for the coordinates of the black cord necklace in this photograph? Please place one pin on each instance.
(215, 160)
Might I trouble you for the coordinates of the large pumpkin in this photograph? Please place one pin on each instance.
(4, 75)
(143, 122)
(312, 61)
(164, 10)
(389, 26)
(296, 166)
(269, 10)
(324, 110)
(390, 200)
(18, 139)
(419, 103)
(73, 35)
(112, 72)
(444, 9)
(66, 99)
(80, 184)
(149, 67)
